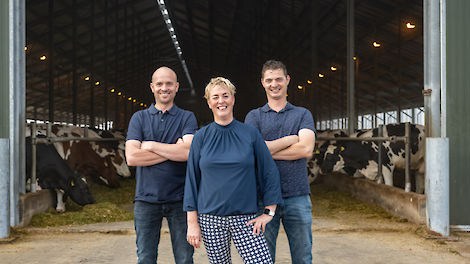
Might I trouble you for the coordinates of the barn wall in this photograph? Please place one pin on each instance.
(4, 69)
(458, 108)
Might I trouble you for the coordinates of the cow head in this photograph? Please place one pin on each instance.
(53, 172)
(70, 182)
(332, 160)
(78, 190)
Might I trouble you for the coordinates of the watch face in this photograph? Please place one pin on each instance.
(269, 212)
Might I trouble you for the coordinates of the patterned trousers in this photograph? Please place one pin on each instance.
(217, 231)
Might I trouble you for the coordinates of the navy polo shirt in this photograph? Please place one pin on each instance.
(274, 125)
(163, 182)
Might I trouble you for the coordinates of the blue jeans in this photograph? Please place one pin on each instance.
(296, 215)
(148, 222)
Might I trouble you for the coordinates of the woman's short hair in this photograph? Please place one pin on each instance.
(221, 81)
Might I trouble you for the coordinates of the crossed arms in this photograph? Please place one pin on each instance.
(149, 153)
(293, 147)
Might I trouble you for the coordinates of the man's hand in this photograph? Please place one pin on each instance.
(277, 145)
(147, 145)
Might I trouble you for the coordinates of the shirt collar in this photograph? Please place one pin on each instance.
(154, 110)
(266, 108)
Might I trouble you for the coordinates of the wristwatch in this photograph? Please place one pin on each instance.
(269, 212)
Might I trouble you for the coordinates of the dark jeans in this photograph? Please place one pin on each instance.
(148, 222)
(296, 216)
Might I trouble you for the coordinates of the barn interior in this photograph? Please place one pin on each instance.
(90, 62)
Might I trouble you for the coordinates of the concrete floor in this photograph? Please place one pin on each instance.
(333, 243)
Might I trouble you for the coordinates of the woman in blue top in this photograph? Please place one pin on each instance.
(229, 165)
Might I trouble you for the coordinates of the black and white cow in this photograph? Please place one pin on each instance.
(52, 172)
(363, 156)
(314, 163)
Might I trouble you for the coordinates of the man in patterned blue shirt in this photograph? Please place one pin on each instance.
(289, 132)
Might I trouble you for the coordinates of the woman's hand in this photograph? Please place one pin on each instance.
(194, 235)
(260, 223)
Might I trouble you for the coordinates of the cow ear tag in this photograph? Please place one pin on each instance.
(342, 148)
(105, 164)
(112, 158)
(72, 183)
(317, 151)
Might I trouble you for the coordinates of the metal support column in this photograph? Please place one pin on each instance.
(350, 65)
(314, 56)
(437, 186)
(292, 94)
(92, 65)
(437, 166)
(116, 66)
(399, 70)
(432, 61)
(74, 64)
(5, 20)
(17, 98)
(380, 178)
(105, 81)
(50, 60)
(5, 221)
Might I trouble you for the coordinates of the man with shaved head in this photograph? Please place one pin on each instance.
(158, 142)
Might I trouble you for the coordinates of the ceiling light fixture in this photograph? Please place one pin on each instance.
(309, 82)
(119, 93)
(321, 75)
(97, 83)
(87, 78)
(375, 44)
(112, 90)
(333, 68)
(410, 26)
(171, 30)
(43, 57)
(300, 87)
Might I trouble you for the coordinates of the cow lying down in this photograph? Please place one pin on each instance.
(362, 156)
(52, 172)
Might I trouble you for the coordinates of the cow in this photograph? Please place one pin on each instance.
(82, 158)
(117, 146)
(116, 156)
(314, 163)
(363, 156)
(52, 172)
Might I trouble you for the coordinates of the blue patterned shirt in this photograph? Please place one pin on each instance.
(227, 165)
(274, 125)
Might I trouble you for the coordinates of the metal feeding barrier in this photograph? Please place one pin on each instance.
(380, 139)
(51, 140)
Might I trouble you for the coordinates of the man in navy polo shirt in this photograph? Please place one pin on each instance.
(289, 133)
(158, 142)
